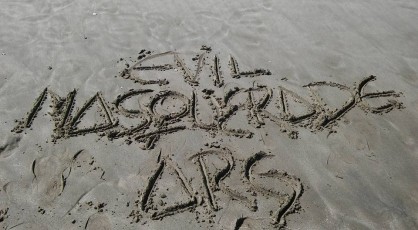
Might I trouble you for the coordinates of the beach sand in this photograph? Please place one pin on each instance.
(208, 115)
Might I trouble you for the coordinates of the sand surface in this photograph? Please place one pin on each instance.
(209, 115)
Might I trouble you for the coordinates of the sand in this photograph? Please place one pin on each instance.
(208, 115)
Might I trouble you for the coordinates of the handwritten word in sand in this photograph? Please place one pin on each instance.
(237, 112)
(214, 189)
(171, 61)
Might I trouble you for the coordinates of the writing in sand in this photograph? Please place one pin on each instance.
(203, 97)
(161, 111)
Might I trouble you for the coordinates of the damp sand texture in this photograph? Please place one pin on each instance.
(208, 115)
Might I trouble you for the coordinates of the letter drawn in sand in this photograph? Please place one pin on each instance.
(289, 203)
(133, 72)
(103, 108)
(26, 123)
(236, 73)
(189, 200)
(213, 183)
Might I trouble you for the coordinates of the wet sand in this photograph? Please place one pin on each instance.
(217, 115)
